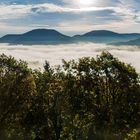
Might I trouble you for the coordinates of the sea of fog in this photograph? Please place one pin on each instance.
(36, 55)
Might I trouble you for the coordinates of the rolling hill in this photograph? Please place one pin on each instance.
(51, 37)
(105, 36)
(135, 42)
(37, 37)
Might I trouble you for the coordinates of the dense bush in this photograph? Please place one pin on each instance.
(82, 100)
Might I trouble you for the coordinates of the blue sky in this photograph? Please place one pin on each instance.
(69, 16)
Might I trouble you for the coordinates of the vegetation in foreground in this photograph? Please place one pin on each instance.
(92, 99)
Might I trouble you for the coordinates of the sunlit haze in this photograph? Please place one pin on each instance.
(36, 55)
(86, 2)
(69, 16)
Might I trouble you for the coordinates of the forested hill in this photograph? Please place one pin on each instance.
(52, 37)
(37, 37)
(135, 42)
(89, 99)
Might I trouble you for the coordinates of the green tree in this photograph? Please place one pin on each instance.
(16, 90)
(92, 98)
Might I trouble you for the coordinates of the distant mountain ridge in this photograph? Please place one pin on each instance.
(105, 36)
(37, 37)
(51, 37)
(9, 38)
(135, 42)
(101, 33)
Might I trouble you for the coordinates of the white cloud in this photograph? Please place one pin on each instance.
(36, 55)
(17, 11)
(55, 8)
(129, 18)
(14, 11)
(96, 3)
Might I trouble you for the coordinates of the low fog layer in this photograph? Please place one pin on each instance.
(36, 55)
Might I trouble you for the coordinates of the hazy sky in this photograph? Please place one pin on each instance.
(69, 16)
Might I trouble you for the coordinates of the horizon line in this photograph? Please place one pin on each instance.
(69, 35)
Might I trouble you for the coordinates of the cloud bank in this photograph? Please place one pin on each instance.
(116, 15)
(36, 55)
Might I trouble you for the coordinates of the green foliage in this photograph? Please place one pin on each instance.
(17, 87)
(133, 135)
(81, 100)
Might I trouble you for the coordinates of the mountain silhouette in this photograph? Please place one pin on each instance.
(51, 37)
(135, 42)
(9, 38)
(101, 33)
(105, 36)
(37, 37)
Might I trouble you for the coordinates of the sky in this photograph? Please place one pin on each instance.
(69, 16)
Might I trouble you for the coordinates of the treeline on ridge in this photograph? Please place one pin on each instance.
(88, 99)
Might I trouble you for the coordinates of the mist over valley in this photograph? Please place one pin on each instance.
(36, 55)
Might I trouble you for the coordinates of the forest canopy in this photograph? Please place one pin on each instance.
(89, 99)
